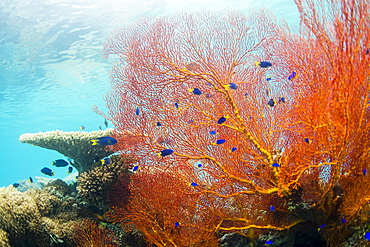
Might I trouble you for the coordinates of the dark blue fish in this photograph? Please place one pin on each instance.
(135, 168)
(31, 180)
(213, 132)
(177, 224)
(195, 91)
(165, 152)
(47, 171)
(321, 227)
(16, 185)
(233, 149)
(367, 51)
(367, 236)
(292, 76)
(177, 105)
(70, 169)
(159, 124)
(193, 184)
(100, 127)
(199, 165)
(60, 163)
(82, 127)
(233, 86)
(221, 120)
(219, 142)
(271, 102)
(269, 242)
(275, 165)
(343, 220)
(281, 100)
(106, 123)
(137, 112)
(364, 171)
(264, 64)
(272, 208)
(268, 78)
(104, 141)
(307, 140)
(105, 161)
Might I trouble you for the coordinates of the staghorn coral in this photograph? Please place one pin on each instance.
(74, 144)
(94, 184)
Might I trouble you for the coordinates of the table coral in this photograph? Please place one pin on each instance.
(74, 144)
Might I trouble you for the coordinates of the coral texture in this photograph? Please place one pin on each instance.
(74, 144)
(37, 217)
(94, 184)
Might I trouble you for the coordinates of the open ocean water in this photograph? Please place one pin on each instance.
(52, 70)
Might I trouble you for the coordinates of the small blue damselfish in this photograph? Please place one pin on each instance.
(104, 141)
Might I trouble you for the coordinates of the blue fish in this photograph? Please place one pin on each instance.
(106, 123)
(195, 91)
(281, 100)
(364, 171)
(219, 142)
(264, 64)
(321, 227)
(307, 140)
(104, 141)
(47, 171)
(271, 102)
(233, 86)
(343, 220)
(135, 168)
(31, 180)
(199, 165)
(159, 124)
(269, 242)
(292, 76)
(177, 105)
(213, 132)
(60, 163)
(193, 184)
(165, 152)
(16, 185)
(177, 224)
(105, 161)
(233, 149)
(367, 236)
(221, 120)
(82, 127)
(275, 165)
(272, 208)
(70, 169)
(268, 78)
(137, 112)
(367, 51)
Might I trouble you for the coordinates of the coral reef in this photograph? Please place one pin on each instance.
(39, 217)
(74, 144)
(278, 147)
(94, 184)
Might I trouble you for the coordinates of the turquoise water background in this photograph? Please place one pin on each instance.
(52, 70)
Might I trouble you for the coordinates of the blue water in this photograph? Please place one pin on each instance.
(52, 70)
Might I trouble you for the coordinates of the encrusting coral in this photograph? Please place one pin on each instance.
(74, 144)
(94, 184)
